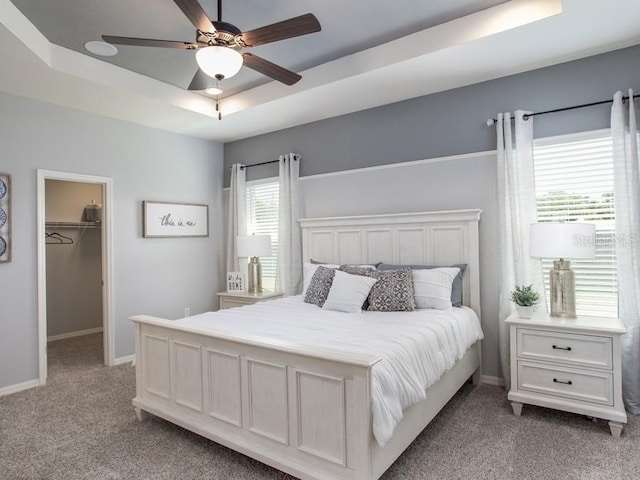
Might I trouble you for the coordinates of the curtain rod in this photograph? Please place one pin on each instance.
(295, 158)
(491, 121)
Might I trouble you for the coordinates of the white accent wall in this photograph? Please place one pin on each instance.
(458, 182)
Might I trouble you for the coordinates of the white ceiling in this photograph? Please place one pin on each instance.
(339, 77)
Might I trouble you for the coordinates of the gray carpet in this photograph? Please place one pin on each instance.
(81, 426)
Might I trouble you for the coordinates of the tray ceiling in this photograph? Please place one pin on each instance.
(369, 53)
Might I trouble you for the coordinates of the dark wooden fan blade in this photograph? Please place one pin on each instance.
(201, 81)
(196, 15)
(269, 69)
(149, 42)
(294, 27)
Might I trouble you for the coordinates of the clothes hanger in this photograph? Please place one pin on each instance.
(50, 239)
(61, 239)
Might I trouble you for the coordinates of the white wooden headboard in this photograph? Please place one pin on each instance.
(424, 238)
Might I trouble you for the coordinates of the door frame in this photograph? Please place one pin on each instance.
(107, 264)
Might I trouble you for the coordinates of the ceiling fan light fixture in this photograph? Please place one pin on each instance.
(218, 61)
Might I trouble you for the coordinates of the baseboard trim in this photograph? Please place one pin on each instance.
(79, 333)
(491, 380)
(129, 358)
(19, 387)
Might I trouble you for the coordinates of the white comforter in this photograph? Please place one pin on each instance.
(416, 347)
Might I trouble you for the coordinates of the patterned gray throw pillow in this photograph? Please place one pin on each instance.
(319, 286)
(393, 292)
(357, 270)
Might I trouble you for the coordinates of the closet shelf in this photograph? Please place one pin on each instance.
(72, 225)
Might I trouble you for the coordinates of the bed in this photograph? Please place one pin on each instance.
(301, 408)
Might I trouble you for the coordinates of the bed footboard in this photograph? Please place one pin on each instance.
(302, 411)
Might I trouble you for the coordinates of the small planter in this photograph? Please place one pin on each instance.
(524, 311)
(525, 298)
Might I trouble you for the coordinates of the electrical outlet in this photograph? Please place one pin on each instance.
(187, 311)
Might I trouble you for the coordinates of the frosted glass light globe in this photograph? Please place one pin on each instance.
(218, 61)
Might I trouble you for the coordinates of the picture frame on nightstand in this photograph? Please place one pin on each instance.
(235, 282)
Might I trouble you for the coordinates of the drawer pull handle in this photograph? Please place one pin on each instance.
(555, 347)
(568, 382)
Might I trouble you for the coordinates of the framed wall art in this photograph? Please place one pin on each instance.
(162, 219)
(235, 282)
(5, 218)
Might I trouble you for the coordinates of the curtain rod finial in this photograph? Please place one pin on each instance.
(490, 121)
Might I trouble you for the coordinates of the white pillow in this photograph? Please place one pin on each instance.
(432, 287)
(348, 292)
(308, 270)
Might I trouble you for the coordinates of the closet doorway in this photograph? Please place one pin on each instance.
(74, 260)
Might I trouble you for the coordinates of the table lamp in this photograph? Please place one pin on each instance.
(562, 240)
(254, 246)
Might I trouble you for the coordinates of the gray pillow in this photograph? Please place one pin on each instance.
(393, 292)
(319, 286)
(456, 287)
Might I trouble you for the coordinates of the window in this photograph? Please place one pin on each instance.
(574, 182)
(262, 219)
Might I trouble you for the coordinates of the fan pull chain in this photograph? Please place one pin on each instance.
(218, 96)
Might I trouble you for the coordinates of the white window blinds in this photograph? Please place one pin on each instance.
(262, 219)
(574, 182)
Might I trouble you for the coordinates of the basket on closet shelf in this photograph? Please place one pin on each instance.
(93, 212)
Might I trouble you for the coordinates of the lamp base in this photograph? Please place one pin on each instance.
(255, 276)
(562, 290)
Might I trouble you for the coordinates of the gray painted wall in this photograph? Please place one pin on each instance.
(447, 123)
(74, 271)
(153, 276)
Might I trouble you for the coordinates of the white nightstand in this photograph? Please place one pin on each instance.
(239, 299)
(568, 364)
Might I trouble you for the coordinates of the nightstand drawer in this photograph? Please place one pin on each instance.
(240, 299)
(583, 385)
(579, 350)
(234, 302)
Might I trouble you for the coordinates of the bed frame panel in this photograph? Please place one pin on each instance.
(304, 410)
(429, 238)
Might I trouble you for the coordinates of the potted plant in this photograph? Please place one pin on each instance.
(525, 298)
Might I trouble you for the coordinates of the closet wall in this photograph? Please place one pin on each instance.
(74, 263)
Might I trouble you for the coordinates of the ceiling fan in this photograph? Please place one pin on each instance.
(219, 45)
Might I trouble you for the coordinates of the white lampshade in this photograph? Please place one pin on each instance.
(562, 240)
(254, 245)
(219, 61)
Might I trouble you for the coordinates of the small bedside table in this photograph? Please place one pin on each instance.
(238, 299)
(570, 364)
